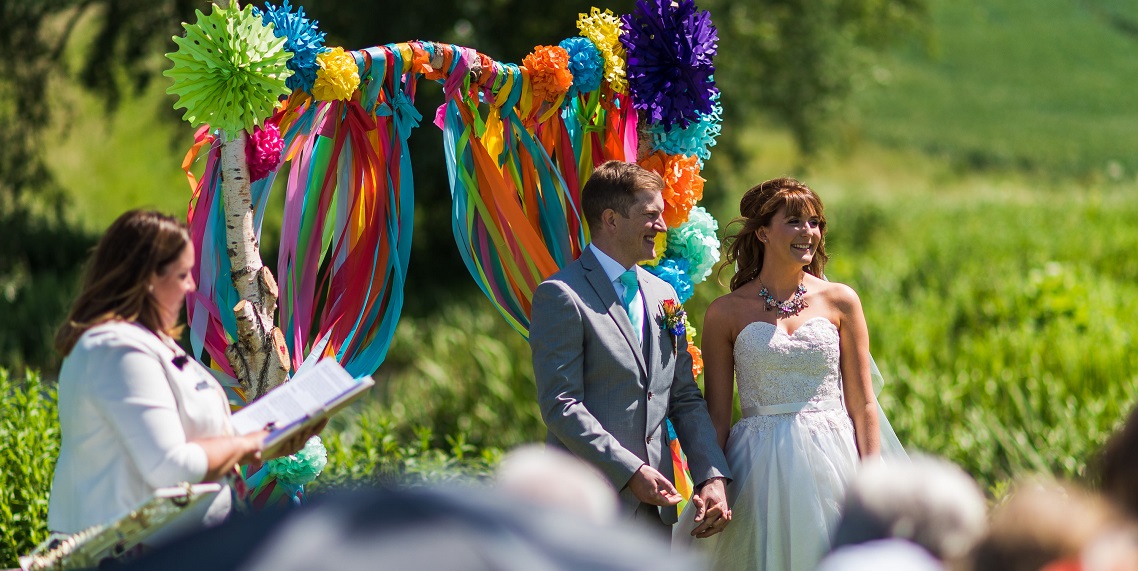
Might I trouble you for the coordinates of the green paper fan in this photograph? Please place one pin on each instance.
(229, 70)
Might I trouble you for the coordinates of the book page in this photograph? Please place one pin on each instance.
(296, 400)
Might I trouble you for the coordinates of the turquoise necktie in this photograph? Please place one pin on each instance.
(631, 287)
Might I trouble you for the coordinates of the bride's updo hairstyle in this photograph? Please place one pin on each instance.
(757, 207)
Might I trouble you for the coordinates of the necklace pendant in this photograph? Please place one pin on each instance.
(788, 308)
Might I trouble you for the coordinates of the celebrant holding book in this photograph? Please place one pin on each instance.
(136, 412)
(609, 375)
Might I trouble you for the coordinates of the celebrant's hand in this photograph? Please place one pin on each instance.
(651, 487)
(250, 446)
(296, 442)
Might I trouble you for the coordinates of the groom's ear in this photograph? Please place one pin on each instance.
(608, 218)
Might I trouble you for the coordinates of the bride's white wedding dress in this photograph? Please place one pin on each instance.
(791, 455)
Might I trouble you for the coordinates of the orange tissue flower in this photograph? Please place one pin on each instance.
(683, 187)
(549, 72)
(696, 360)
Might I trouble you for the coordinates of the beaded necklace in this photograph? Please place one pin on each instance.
(792, 306)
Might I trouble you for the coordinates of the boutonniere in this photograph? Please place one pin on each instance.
(673, 319)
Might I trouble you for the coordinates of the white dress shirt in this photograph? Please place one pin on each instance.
(128, 412)
(613, 269)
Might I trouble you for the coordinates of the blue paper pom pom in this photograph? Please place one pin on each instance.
(301, 38)
(675, 272)
(585, 63)
(695, 140)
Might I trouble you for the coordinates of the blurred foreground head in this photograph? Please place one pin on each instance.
(929, 502)
(1118, 466)
(422, 529)
(555, 479)
(1050, 526)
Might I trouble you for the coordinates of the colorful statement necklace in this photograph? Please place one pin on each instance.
(792, 306)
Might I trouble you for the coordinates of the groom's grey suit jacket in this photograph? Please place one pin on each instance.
(602, 395)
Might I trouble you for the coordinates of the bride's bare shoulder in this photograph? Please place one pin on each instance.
(837, 294)
(726, 306)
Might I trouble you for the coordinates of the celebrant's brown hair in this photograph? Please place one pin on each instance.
(139, 245)
(757, 207)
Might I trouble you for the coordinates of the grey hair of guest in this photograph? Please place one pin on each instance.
(558, 480)
(928, 501)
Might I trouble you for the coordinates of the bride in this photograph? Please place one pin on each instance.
(799, 347)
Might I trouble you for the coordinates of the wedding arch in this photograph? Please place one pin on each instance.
(519, 143)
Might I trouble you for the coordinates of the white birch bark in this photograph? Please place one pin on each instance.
(258, 356)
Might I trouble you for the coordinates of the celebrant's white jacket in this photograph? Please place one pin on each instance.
(129, 404)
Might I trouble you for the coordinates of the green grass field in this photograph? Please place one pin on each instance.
(1045, 86)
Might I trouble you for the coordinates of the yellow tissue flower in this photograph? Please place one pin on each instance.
(338, 76)
(604, 29)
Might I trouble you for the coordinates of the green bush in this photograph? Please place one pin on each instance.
(29, 445)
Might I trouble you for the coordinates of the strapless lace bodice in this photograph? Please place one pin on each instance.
(772, 367)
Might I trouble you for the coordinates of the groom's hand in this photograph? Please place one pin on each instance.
(651, 487)
(712, 513)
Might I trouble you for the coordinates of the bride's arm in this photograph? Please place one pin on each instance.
(718, 368)
(856, 380)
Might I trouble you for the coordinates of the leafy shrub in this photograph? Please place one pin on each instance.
(29, 445)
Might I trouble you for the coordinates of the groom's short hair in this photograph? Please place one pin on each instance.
(614, 185)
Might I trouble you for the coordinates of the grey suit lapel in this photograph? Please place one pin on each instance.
(604, 288)
(651, 307)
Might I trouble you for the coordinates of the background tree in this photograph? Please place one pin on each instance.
(795, 62)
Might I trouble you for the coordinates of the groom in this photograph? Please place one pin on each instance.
(608, 375)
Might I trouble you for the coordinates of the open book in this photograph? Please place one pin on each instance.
(315, 393)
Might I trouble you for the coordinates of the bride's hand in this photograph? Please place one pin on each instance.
(712, 513)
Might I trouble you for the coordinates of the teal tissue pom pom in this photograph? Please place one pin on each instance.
(302, 467)
(696, 242)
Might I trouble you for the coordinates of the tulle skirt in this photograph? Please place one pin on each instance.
(790, 473)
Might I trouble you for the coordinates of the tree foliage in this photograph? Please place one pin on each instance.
(34, 40)
(796, 61)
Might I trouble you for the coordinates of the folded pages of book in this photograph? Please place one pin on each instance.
(313, 394)
(87, 548)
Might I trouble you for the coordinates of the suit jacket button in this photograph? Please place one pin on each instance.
(649, 395)
(649, 440)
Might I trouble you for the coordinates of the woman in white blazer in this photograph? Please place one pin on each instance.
(136, 413)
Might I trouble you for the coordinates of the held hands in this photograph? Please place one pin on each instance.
(712, 513)
(651, 487)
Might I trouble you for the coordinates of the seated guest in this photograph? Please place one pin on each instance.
(1117, 466)
(135, 412)
(1052, 526)
(929, 502)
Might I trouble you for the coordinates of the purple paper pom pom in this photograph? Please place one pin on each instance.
(263, 151)
(675, 272)
(586, 63)
(670, 49)
(302, 39)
